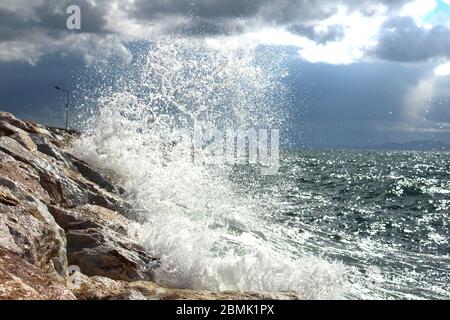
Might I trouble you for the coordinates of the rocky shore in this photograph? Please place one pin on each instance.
(64, 226)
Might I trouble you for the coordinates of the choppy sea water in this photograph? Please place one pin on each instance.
(384, 215)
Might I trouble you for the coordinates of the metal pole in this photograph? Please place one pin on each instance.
(67, 111)
(67, 104)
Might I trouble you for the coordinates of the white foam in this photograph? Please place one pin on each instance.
(207, 235)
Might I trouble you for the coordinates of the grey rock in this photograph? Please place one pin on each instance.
(10, 119)
(13, 148)
(61, 189)
(129, 294)
(93, 175)
(98, 243)
(100, 253)
(89, 216)
(22, 280)
(29, 230)
(48, 148)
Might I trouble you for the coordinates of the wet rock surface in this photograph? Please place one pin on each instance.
(20, 280)
(64, 226)
(56, 211)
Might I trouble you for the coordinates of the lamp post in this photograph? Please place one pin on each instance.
(67, 104)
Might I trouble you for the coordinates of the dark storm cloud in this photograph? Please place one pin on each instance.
(49, 19)
(52, 15)
(12, 25)
(144, 9)
(293, 14)
(347, 105)
(280, 11)
(202, 28)
(188, 18)
(402, 40)
(220, 17)
(30, 30)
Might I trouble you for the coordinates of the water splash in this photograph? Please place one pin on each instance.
(207, 233)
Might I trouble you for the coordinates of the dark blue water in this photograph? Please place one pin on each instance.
(384, 215)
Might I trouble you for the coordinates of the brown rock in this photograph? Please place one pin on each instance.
(19, 280)
(98, 252)
(93, 175)
(24, 139)
(62, 190)
(15, 173)
(101, 288)
(89, 216)
(29, 230)
(9, 118)
(98, 243)
(6, 197)
(17, 134)
(13, 148)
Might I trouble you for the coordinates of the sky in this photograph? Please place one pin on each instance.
(362, 72)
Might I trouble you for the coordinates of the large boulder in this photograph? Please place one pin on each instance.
(89, 216)
(20, 280)
(44, 145)
(94, 175)
(98, 243)
(7, 117)
(30, 231)
(13, 148)
(14, 173)
(64, 185)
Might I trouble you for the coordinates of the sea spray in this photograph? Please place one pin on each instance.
(207, 234)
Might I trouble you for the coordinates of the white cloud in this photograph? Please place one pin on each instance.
(20, 51)
(418, 9)
(92, 47)
(443, 69)
(360, 34)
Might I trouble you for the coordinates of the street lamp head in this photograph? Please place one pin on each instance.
(62, 89)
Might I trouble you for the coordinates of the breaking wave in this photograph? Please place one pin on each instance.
(208, 233)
